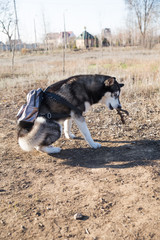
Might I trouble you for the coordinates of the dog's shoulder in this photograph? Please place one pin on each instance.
(57, 85)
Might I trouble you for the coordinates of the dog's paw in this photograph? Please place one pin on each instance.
(70, 136)
(55, 149)
(96, 145)
(48, 149)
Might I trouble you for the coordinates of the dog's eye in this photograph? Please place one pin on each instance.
(115, 95)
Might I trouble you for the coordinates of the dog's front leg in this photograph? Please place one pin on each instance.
(81, 124)
(67, 129)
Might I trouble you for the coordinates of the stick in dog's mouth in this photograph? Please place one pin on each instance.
(119, 112)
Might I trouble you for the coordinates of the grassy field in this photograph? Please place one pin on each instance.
(139, 67)
(116, 187)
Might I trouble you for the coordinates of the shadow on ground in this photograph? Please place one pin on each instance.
(130, 154)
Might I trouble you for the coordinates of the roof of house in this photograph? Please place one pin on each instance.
(50, 36)
(85, 35)
(56, 35)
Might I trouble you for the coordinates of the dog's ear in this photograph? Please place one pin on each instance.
(109, 82)
(121, 85)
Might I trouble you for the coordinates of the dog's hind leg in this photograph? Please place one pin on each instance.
(81, 124)
(53, 132)
(67, 129)
(48, 149)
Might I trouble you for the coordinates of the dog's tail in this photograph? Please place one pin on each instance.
(35, 137)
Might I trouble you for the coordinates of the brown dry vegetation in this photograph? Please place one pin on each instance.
(117, 186)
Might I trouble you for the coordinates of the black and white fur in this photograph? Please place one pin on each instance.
(82, 91)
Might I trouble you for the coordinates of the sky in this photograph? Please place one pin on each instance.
(92, 14)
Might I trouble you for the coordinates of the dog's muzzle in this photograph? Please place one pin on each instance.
(111, 108)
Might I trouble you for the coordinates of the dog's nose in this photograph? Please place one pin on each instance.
(119, 107)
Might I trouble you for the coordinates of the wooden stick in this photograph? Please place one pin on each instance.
(119, 112)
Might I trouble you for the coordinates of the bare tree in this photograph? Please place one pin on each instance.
(146, 12)
(7, 22)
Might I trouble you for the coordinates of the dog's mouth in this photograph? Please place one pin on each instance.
(110, 107)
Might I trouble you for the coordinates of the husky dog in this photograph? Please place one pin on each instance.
(81, 91)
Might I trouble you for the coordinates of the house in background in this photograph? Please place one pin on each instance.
(85, 40)
(51, 39)
(55, 40)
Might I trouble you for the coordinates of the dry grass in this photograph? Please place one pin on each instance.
(138, 68)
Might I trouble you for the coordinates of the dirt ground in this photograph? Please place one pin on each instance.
(116, 187)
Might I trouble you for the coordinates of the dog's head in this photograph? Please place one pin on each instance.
(112, 93)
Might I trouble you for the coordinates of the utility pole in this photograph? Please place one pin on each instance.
(45, 31)
(15, 10)
(35, 32)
